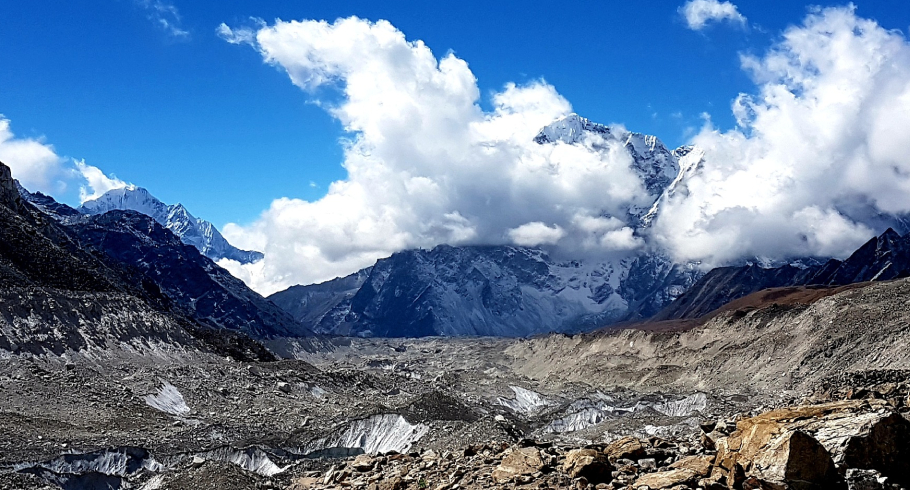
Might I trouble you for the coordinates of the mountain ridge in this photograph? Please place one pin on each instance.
(193, 231)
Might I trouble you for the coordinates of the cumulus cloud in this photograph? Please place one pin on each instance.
(535, 234)
(97, 182)
(425, 163)
(39, 169)
(821, 157)
(33, 162)
(240, 35)
(698, 13)
(166, 16)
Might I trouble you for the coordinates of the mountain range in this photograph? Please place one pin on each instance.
(164, 256)
(518, 291)
(191, 230)
(882, 258)
(72, 281)
(511, 290)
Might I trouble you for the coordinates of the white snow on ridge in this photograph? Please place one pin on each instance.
(191, 230)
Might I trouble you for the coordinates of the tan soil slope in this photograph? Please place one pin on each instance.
(750, 347)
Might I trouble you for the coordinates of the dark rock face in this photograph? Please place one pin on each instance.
(882, 258)
(485, 290)
(317, 304)
(46, 203)
(192, 283)
(59, 295)
(724, 284)
(9, 194)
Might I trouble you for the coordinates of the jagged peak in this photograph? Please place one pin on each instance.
(9, 191)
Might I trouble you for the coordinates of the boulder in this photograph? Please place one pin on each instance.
(589, 464)
(625, 448)
(793, 458)
(865, 434)
(363, 463)
(524, 461)
(701, 465)
(666, 479)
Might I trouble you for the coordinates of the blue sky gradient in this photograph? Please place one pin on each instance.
(196, 120)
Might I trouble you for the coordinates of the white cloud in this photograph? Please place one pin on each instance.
(39, 169)
(166, 16)
(698, 13)
(822, 155)
(240, 35)
(426, 165)
(97, 183)
(536, 234)
(33, 162)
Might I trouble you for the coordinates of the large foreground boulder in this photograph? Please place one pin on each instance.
(800, 447)
(524, 461)
(589, 464)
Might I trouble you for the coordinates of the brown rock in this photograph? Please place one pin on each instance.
(589, 464)
(701, 465)
(793, 457)
(524, 461)
(625, 448)
(666, 479)
(304, 483)
(394, 483)
(856, 433)
(363, 463)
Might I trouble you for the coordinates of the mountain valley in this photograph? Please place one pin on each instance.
(130, 360)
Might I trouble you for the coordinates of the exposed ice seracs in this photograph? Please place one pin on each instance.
(251, 459)
(525, 401)
(168, 400)
(587, 413)
(114, 462)
(376, 434)
(684, 407)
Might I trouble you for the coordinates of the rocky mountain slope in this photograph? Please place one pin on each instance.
(882, 258)
(500, 291)
(509, 290)
(58, 297)
(786, 341)
(193, 231)
(193, 283)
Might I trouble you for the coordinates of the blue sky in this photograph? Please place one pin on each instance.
(207, 123)
(330, 134)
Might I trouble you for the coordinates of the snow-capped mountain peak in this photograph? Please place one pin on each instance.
(656, 166)
(191, 230)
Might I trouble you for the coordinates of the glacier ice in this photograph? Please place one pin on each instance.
(168, 400)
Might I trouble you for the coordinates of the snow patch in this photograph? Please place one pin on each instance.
(168, 400)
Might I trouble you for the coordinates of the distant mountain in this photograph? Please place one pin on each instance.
(193, 231)
(60, 297)
(882, 258)
(192, 282)
(656, 165)
(482, 290)
(507, 290)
